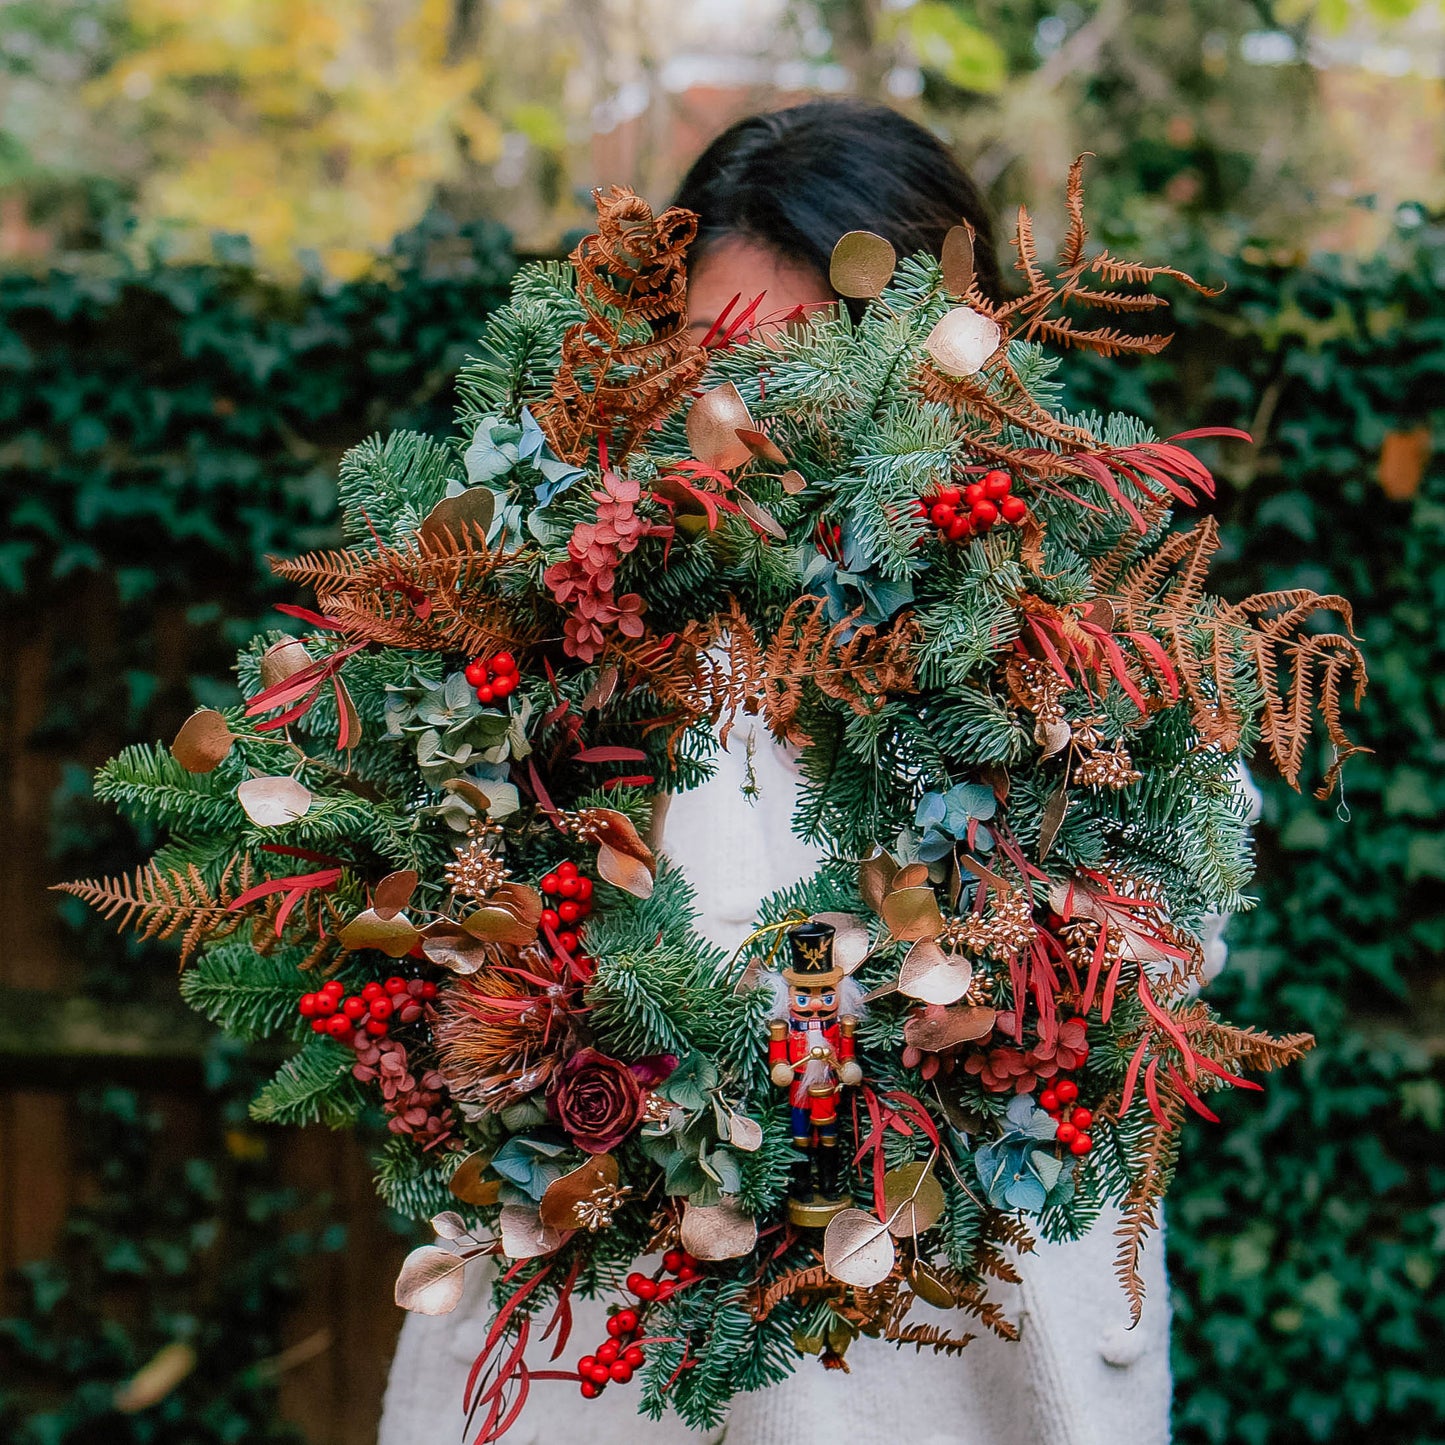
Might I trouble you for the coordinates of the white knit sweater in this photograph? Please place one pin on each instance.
(1078, 1376)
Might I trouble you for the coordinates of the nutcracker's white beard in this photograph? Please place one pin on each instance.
(817, 1071)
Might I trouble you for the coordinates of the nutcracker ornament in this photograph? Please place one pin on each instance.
(811, 1053)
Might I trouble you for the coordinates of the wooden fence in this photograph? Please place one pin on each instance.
(53, 1041)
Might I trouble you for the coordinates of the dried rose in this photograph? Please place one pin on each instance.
(596, 1099)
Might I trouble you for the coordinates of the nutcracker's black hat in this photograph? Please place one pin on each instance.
(811, 947)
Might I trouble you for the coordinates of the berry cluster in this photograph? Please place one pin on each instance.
(962, 512)
(368, 1014)
(495, 677)
(1073, 1120)
(622, 1352)
(569, 901)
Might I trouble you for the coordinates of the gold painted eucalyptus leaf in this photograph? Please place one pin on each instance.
(1055, 811)
(744, 1133)
(558, 1209)
(962, 341)
(394, 892)
(524, 1236)
(875, 876)
(431, 1280)
(913, 1198)
(937, 1029)
(718, 1231)
(858, 1249)
(713, 423)
(957, 260)
(851, 943)
(932, 975)
(468, 1184)
(862, 264)
(912, 913)
(394, 936)
(203, 741)
(270, 802)
(929, 1287)
(624, 872)
(449, 1225)
(474, 507)
(282, 660)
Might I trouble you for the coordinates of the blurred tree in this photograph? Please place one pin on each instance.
(328, 124)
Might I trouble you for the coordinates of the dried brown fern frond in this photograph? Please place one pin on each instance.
(1038, 315)
(1141, 1204)
(633, 358)
(440, 592)
(1229, 1045)
(970, 1295)
(928, 1337)
(160, 902)
(797, 1281)
(1164, 594)
(852, 664)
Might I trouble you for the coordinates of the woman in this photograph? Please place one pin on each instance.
(773, 194)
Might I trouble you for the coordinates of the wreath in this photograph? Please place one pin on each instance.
(418, 849)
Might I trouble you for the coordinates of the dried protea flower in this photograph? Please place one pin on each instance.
(499, 1030)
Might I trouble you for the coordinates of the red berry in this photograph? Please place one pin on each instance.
(306, 1007)
(1067, 1090)
(380, 1008)
(633, 1356)
(646, 1289)
(584, 889)
(551, 883)
(551, 919)
(626, 1321)
(567, 869)
(475, 672)
(1081, 1118)
(585, 1364)
(377, 1028)
(672, 1260)
(921, 506)
(569, 912)
(333, 986)
(354, 1007)
(633, 1280)
(608, 1351)
(589, 1390)
(318, 1026)
(504, 662)
(1013, 509)
(428, 990)
(957, 529)
(665, 1291)
(941, 514)
(568, 886)
(395, 984)
(687, 1273)
(621, 1371)
(567, 941)
(997, 485)
(505, 685)
(985, 514)
(600, 1373)
(952, 495)
(1066, 1133)
(485, 693)
(1049, 1100)
(372, 990)
(338, 1026)
(1081, 1145)
(973, 493)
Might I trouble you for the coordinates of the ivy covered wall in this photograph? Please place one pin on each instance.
(161, 429)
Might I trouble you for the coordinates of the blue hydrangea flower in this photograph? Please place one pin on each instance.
(945, 817)
(1014, 1170)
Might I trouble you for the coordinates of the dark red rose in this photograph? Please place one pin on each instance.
(597, 1100)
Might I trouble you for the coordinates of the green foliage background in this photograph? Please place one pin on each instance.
(167, 426)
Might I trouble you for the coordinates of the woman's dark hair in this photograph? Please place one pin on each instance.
(797, 179)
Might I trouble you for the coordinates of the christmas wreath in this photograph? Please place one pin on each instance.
(419, 847)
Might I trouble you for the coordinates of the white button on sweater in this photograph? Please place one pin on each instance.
(1078, 1376)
